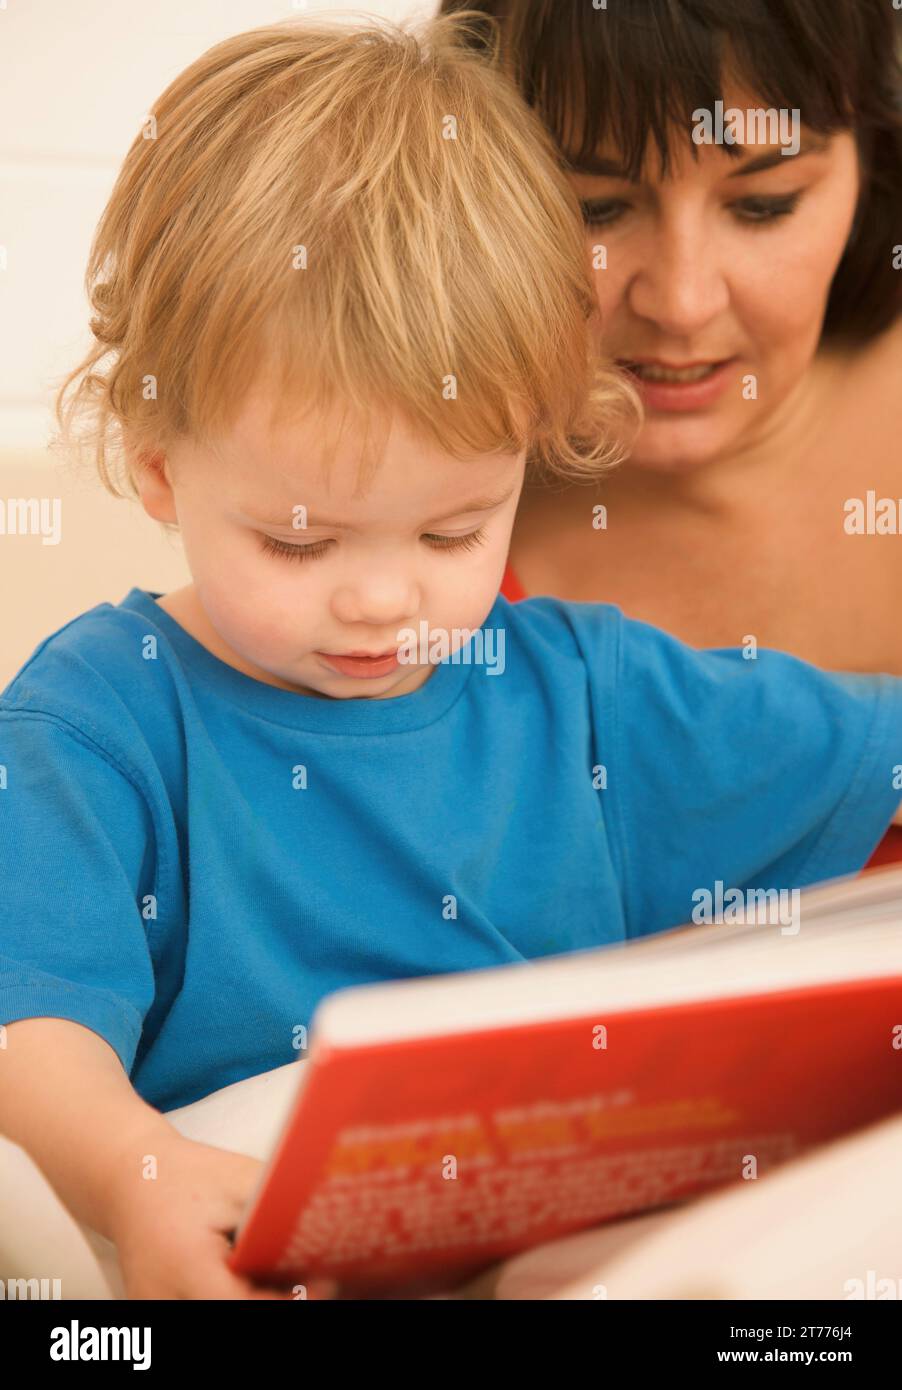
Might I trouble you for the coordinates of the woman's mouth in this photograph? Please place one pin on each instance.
(678, 385)
(359, 664)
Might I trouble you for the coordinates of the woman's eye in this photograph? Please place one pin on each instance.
(766, 209)
(601, 212)
(456, 542)
(294, 552)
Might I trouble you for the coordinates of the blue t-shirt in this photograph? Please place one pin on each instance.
(190, 859)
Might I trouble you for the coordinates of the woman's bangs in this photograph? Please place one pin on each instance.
(614, 98)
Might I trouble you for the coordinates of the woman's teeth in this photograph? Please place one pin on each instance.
(650, 371)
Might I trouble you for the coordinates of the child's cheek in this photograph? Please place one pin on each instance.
(465, 599)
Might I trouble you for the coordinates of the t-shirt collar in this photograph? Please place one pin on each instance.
(359, 715)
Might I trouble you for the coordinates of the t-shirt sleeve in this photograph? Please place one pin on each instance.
(76, 859)
(760, 772)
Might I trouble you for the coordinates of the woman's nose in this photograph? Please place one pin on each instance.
(679, 284)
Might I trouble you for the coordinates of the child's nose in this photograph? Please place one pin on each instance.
(382, 598)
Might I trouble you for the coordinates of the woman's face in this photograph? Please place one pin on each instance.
(723, 267)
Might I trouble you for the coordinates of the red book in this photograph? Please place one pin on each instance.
(443, 1124)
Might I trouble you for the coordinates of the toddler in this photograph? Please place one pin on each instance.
(341, 303)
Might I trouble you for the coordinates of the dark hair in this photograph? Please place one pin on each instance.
(641, 67)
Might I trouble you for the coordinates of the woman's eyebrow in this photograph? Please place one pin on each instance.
(601, 168)
(774, 158)
(610, 169)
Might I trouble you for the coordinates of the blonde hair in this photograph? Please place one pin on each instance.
(374, 213)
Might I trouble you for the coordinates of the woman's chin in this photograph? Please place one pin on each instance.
(681, 446)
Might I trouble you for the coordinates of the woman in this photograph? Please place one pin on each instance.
(752, 289)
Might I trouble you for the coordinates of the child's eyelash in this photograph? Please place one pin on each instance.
(317, 548)
(294, 552)
(466, 542)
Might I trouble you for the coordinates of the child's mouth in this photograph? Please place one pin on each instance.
(361, 665)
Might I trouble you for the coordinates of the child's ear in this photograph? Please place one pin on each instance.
(151, 477)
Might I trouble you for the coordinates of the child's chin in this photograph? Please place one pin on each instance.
(349, 688)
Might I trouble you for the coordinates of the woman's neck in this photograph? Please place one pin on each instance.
(753, 542)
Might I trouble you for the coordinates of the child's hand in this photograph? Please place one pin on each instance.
(171, 1230)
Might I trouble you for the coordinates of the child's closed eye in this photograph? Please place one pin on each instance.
(465, 542)
(294, 552)
(315, 549)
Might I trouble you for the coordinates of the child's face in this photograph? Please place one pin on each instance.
(426, 542)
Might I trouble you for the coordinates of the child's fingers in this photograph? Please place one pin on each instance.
(317, 1290)
(223, 1284)
(255, 1292)
(232, 1285)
